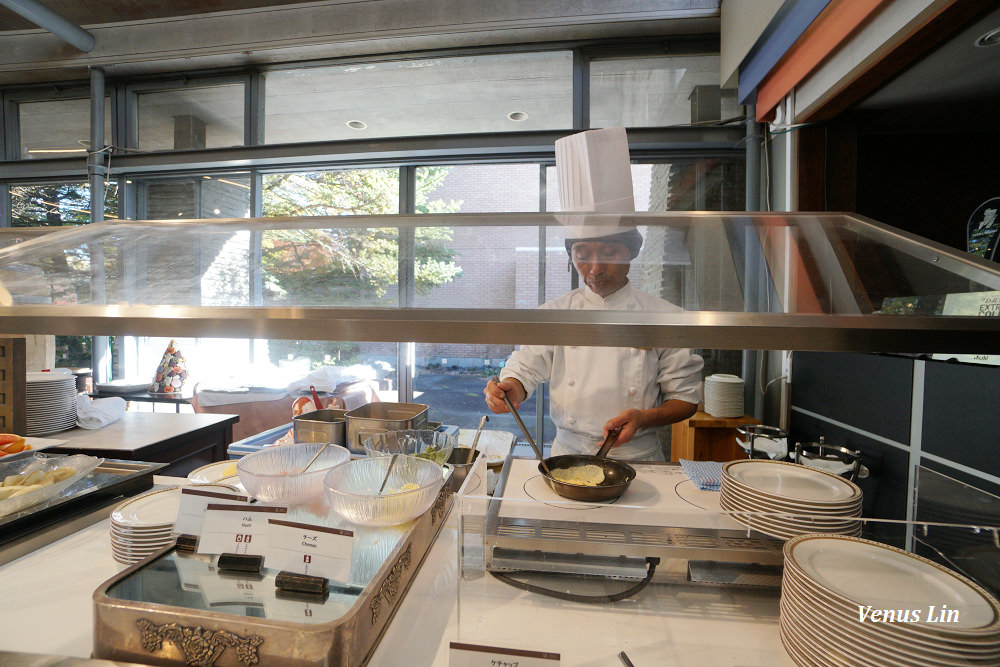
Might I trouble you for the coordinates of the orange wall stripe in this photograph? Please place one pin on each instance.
(829, 30)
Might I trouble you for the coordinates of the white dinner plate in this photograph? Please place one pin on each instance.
(213, 472)
(790, 480)
(764, 504)
(869, 573)
(156, 509)
(802, 606)
(779, 530)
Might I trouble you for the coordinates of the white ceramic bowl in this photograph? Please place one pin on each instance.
(274, 473)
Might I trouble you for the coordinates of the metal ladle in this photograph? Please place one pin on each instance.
(524, 429)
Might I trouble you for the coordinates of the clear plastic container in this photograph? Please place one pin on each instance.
(274, 474)
(410, 489)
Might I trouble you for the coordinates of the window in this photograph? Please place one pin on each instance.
(659, 91)
(191, 118)
(57, 128)
(489, 93)
(479, 267)
(186, 197)
(57, 204)
(357, 266)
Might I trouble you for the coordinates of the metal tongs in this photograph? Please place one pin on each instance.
(524, 429)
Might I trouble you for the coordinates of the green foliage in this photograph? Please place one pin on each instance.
(350, 266)
(56, 204)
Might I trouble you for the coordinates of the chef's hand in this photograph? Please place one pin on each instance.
(494, 394)
(629, 421)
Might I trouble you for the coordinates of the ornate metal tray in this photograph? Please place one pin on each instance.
(177, 608)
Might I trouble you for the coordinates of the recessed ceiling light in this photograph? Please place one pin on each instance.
(517, 115)
(35, 151)
(357, 124)
(991, 38)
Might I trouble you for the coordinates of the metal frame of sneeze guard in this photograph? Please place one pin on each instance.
(163, 634)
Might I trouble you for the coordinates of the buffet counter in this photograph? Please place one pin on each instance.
(49, 609)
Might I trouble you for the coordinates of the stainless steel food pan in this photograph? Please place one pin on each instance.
(373, 418)
(327, 425)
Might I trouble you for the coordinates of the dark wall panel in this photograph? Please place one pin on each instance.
(885, 487)
(868, 391)
(961, 420)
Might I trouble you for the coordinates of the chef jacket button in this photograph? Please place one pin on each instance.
(571, 383)
(572, 422)
(631, 391)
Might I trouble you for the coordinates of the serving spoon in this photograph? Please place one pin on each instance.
(524, 429)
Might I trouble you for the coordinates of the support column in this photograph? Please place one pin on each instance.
(97, 172)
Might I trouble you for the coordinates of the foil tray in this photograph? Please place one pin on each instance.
(176, 608)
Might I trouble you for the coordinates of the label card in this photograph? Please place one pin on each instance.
(193, 504)
(236, 529)
(476, 655)
(318, 551)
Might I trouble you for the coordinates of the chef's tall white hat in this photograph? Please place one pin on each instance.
(594, 171)
(595, 175)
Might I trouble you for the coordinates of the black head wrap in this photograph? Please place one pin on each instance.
(630, 238)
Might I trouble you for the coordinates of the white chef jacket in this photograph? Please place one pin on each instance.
(590, 385)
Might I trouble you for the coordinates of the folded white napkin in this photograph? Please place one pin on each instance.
(774, 448)
(835, 467)
(99, 412)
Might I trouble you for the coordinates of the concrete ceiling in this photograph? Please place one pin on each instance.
(96, 12)
(137, 37)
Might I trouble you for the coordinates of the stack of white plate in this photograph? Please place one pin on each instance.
(50, 400)
(938, 616)
(143, 525)
(784, 500)
(724, 395)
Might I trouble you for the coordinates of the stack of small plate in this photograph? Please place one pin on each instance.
(784, 500)
(143, 525)
(50, 403)
(925, 614)
(724, 395)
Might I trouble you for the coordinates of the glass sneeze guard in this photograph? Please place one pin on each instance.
(826, 281)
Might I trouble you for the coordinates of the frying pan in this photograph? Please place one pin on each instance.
(617, 475)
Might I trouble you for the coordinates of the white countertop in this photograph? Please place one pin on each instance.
(138, 429)
(47, 608)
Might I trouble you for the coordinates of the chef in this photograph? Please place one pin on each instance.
(596, 389)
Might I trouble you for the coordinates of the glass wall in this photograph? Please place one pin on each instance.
(190, 118)
(57, 204)
(360, 267)
(658, 91)
(57, 128)
(483, 93)
(380, 102)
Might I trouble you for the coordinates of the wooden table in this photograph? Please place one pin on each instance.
(703, 437)
(178, 399)
(185, 441)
